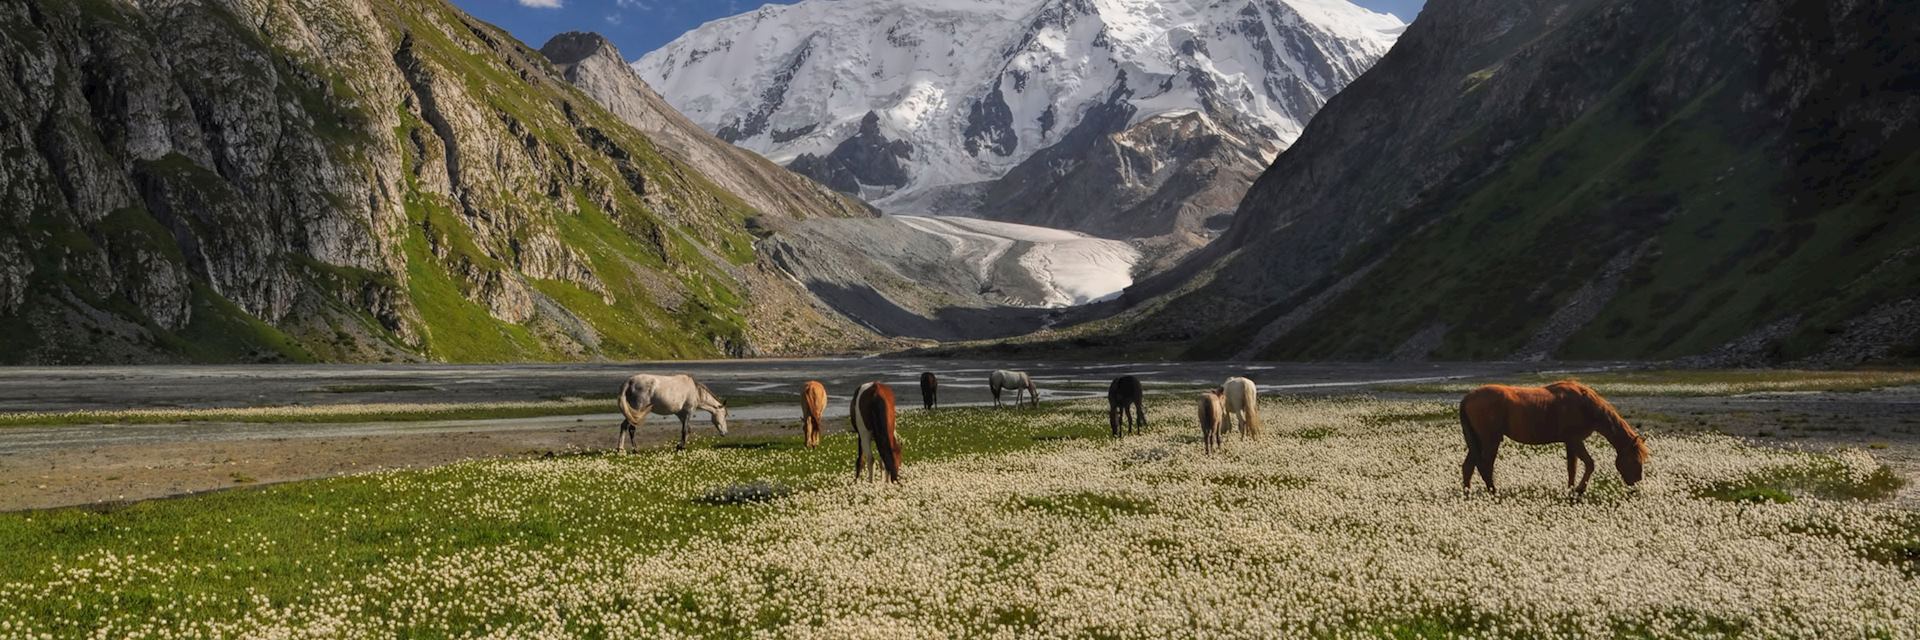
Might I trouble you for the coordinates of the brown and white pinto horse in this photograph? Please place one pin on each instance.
(813, 406)
(873, 419)
(1560, 412)
(1213, 418)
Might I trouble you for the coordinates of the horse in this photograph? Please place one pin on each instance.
(929, 391)
(1243, 402)
(1018, 381)
(1123, 394)
(1213, 418)
(668, 396)
(872, 414)
(813, 405)
(1564, 411)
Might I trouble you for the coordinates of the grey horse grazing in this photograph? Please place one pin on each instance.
(1018, 381)
(668, 396)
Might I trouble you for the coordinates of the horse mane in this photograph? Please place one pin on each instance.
(704, 391)
(1617, 427)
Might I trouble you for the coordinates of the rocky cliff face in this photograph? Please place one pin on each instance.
(1125, 118)
(594, 65)
(351, 180)
(1591, 179)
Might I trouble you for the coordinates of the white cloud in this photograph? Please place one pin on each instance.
(541, 4)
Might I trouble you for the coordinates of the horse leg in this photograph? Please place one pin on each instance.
(1466, 472)
(859, 454)
(1140, 411)
(1570, 461)
(1579, 449)
(1489, 451)
(684, 416)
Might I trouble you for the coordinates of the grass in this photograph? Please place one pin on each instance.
(1023, 506)
(1819, 477)
(278, 544)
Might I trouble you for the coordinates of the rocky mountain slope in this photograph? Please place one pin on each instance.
(355, 180)
(1125, 118)
(594, 65)
(1587, 179)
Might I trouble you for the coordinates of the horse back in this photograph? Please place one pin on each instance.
(1212, 407)
(813, 398)
(1123, 391)
(1531, 415)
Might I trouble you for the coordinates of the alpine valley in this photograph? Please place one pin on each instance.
(395, 180)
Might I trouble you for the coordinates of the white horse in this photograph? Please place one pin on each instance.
(1243, 402)
(1018, 381)
(668, 396)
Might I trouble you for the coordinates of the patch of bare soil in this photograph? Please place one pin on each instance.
(120, 472)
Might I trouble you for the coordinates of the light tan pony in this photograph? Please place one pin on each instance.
(1213, 418)
(1243, 403)
(813, 406)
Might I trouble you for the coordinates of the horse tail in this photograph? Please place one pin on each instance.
(878, 407)
(626, 407)
(1466, 430)
(1252, 399)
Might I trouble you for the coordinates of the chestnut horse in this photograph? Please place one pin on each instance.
(929, 391)
(1564, 411)
(1213, 418)
(813, 406)
(1126, 400)
(873, 419)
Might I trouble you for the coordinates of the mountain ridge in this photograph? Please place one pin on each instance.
(980, 107)
(1584, 179)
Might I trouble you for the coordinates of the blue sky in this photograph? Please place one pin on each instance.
(639, 26)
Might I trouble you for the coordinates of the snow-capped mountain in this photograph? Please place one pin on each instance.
(924, 105)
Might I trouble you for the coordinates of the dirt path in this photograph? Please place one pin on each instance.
(130, 469)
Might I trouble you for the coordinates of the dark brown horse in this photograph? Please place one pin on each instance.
(872, 415)
(1124, 394)
(929, 391)
(1565, 412)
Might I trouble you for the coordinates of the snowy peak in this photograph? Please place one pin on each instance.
(977, 87)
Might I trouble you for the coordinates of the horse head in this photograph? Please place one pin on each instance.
(714, 407)
(1631, 460)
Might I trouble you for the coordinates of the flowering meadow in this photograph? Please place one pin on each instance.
(1345, 519)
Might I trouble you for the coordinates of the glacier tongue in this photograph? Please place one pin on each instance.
(975, 87)
(1070, 268)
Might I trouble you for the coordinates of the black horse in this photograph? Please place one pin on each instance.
(929, 390)
(1123, 394)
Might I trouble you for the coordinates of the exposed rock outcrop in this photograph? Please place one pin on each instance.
(352, 180)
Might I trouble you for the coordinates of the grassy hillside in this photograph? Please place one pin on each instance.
(1605, 179)
(347, 180)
